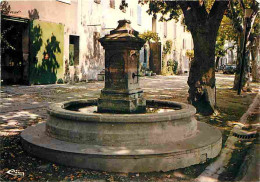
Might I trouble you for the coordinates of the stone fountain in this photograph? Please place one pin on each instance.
(121, 131)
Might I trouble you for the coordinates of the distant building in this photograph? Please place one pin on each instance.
(230, 56)
(182, 41)
(60, 37)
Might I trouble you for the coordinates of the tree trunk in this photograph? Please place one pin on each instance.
(150, 56)
(203, 27)
(201, 79)
(239, 61)
(217, 62)
(246, 71)
(243, 37)
(255, 66)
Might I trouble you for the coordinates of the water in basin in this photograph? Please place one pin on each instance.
(88, 109)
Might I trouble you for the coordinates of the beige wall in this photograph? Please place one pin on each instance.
(102, 18)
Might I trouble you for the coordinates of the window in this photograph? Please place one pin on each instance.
(139, 15)
(131, 12)
(96, 45)
(74, 50)
(153, 24)
(184, 44)
(64, 1)
(165, 29)
(174, 30)
(185, 62)
(112, 4)
(145, 54)
(97, 1)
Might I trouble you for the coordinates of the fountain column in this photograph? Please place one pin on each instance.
(122, 93)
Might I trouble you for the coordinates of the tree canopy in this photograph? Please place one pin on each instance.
(226, 32)
(150, 36)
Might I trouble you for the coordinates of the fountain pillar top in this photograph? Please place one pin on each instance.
(123, 37)
(122, 92)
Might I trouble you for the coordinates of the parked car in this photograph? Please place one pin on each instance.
(220, 68)
(229, 69)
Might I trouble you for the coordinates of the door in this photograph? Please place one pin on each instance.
(14, 51)
(155, 62)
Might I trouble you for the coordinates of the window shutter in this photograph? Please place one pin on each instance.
(165, 29)
(112, 4)
(139, 15)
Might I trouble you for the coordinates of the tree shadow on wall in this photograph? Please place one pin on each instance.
(33, 14)
(35, 46)
(46, 71)
(50, 64)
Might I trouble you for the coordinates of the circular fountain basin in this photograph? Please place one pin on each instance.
(167, 137)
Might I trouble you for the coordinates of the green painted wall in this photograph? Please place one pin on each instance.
(46, 48)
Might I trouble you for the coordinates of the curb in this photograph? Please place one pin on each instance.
(243, 119)
(212, 172)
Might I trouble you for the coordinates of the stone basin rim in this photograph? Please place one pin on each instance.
(58, 110)
(98, 150)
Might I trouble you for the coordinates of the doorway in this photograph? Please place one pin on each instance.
(14, 50)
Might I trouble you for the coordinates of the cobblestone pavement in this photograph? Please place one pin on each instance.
(22, 106)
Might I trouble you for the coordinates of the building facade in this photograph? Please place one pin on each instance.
(181, 43)
(60, 37)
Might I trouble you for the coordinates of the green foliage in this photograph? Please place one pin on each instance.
(60, 81)
(71, 58)
(3, 37)
(167, 9)
(226, 32)
(175, 67)
(150, 36)
(220, 49)
(256, 26)
(236, 12)
(190, 54)
(209, 4)
(167, 47)
(5, 10)
(172, 66)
